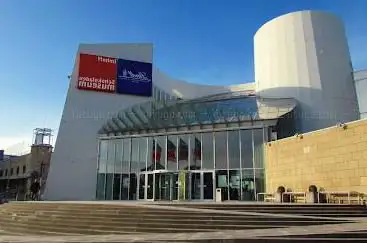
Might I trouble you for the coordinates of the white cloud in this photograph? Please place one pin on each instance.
(15, 145)
(19, 145)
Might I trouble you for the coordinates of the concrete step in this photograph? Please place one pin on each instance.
(161, 222)
(152, 216)
(290, 209)
(71, 229)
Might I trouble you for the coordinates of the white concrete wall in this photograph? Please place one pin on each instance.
(360, 78)
(305, 55)
(72, 174)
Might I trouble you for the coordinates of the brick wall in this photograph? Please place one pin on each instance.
(334, 159)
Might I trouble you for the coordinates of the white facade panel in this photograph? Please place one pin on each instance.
(72, 174)
(360, 78)
(304, 55)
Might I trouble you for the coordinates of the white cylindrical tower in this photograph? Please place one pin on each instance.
(305, 55)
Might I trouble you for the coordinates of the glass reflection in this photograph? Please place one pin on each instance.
(207, 151)
(110, 169)
(247, 185)
(102, 164)
(234, 184)
(258, 148)
(183, 152)
(134, 165)
(142, 154)
(246, 149)
(234, 150)
(150, 154)
(172, 152)
(195, 151)
(221, 150)
(117, 170)
(125, 166)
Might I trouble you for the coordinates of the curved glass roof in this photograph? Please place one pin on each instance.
(231, 107)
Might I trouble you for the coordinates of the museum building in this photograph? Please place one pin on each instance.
(130, 132)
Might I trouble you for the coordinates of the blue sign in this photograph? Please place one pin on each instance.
(134, 78)
(1, 155)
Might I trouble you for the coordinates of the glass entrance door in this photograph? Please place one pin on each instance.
(150, 186)
(208, 189)
(145, 185)
(163, 185)
(167, 185)
(202, 185)
(158, 186)
(196, 185)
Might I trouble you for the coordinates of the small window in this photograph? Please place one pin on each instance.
(1, 173)
(11, 171)
(6, 172)
(18, 170)
(24, 169)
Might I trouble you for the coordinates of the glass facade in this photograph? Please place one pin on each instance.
(186, 166)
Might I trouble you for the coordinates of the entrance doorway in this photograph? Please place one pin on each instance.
(201, 185)
(159, 185)
(173, 185)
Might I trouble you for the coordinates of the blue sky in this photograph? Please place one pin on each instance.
(202, 41)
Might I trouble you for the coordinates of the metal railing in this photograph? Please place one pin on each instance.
(294, 196)
(342, 197)
(266, 196)
(331, 197)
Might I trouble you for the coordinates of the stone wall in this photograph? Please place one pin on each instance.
(334, 159)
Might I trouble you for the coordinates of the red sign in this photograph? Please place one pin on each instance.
(97, 73)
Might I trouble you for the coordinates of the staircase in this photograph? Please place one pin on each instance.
(62, 218)
(320, 210)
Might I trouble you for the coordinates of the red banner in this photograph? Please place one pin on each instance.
(97, 73)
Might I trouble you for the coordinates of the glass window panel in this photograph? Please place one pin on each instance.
(126, 155)
(259, 148)
(159, 154)
(102, 166)
(116, 186)
(246, 149)
(172, 152)
(234, 184)
(109, 186)
(117, 169)
(133, 186)
(183, 152)
(208, 152)
(195, 151)
(110, 169)
(234, 149)
(101, 181)
(118, 156)
(125, 185)
(221, 150)
(103, 151)
(134, 165)
(125, 176)
(150, 165)
(142, 153)
(222, 182)
(247, 185)
(259, 180)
